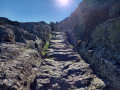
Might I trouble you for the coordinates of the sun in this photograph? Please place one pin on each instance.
(63, 2)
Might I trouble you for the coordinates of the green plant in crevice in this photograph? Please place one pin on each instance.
(72, 47)
(45, 48)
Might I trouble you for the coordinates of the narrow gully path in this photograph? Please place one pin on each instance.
(63, 69)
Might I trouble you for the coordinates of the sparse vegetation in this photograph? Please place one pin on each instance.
(45, 48)
(71, 46)
(107, 35)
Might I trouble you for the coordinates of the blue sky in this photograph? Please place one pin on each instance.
(36, 10)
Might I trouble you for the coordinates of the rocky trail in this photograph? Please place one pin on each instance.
(64, 69)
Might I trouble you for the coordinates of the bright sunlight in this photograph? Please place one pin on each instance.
(63, 2)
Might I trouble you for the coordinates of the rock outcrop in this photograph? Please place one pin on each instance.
(94, 28)
(20, 52)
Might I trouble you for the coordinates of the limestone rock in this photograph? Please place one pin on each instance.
(17, 66)
(20, 52)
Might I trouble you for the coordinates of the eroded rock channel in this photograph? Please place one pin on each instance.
(64, 69)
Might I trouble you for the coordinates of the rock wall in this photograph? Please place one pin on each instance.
(20, 52)
(93, 28)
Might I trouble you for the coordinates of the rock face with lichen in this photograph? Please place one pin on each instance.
(20, 56)
(94, 28)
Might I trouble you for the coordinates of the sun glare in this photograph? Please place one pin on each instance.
(63, 2)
